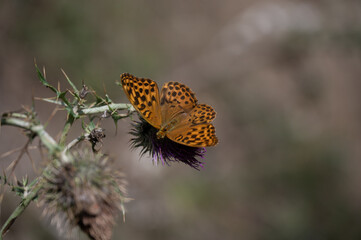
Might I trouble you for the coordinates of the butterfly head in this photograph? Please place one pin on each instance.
(161, 134)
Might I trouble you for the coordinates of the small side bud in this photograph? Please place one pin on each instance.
(96, 138)
(84, 91)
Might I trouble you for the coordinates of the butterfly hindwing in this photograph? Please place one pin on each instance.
(201, 135)
(144, 96)
(202, 113)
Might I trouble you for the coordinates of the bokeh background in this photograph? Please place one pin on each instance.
(283, 76)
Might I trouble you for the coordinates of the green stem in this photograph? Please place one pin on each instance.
(110, 107)
(74, 142)
(22, 121)
(19, 210)
(19, 115)
(66, 129)
(64, 156)
(38, 129)
(89, 111)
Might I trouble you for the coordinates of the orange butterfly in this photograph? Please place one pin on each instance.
(174, 111)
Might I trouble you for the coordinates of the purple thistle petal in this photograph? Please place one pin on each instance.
(164, 150)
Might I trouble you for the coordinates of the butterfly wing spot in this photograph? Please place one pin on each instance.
(147, 113)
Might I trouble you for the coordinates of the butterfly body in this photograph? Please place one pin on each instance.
(174, 112)
(170, 125)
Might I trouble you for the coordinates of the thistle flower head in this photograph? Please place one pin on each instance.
(85, 192)
(163, 150)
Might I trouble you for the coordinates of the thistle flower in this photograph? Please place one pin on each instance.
(85, 192)
(163, 149)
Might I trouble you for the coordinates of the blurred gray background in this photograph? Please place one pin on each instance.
(283, 76)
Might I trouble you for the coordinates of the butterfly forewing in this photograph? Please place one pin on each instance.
(144, 96)
(176, 98)
(202, 135)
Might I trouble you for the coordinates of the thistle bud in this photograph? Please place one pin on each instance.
(86, 192)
